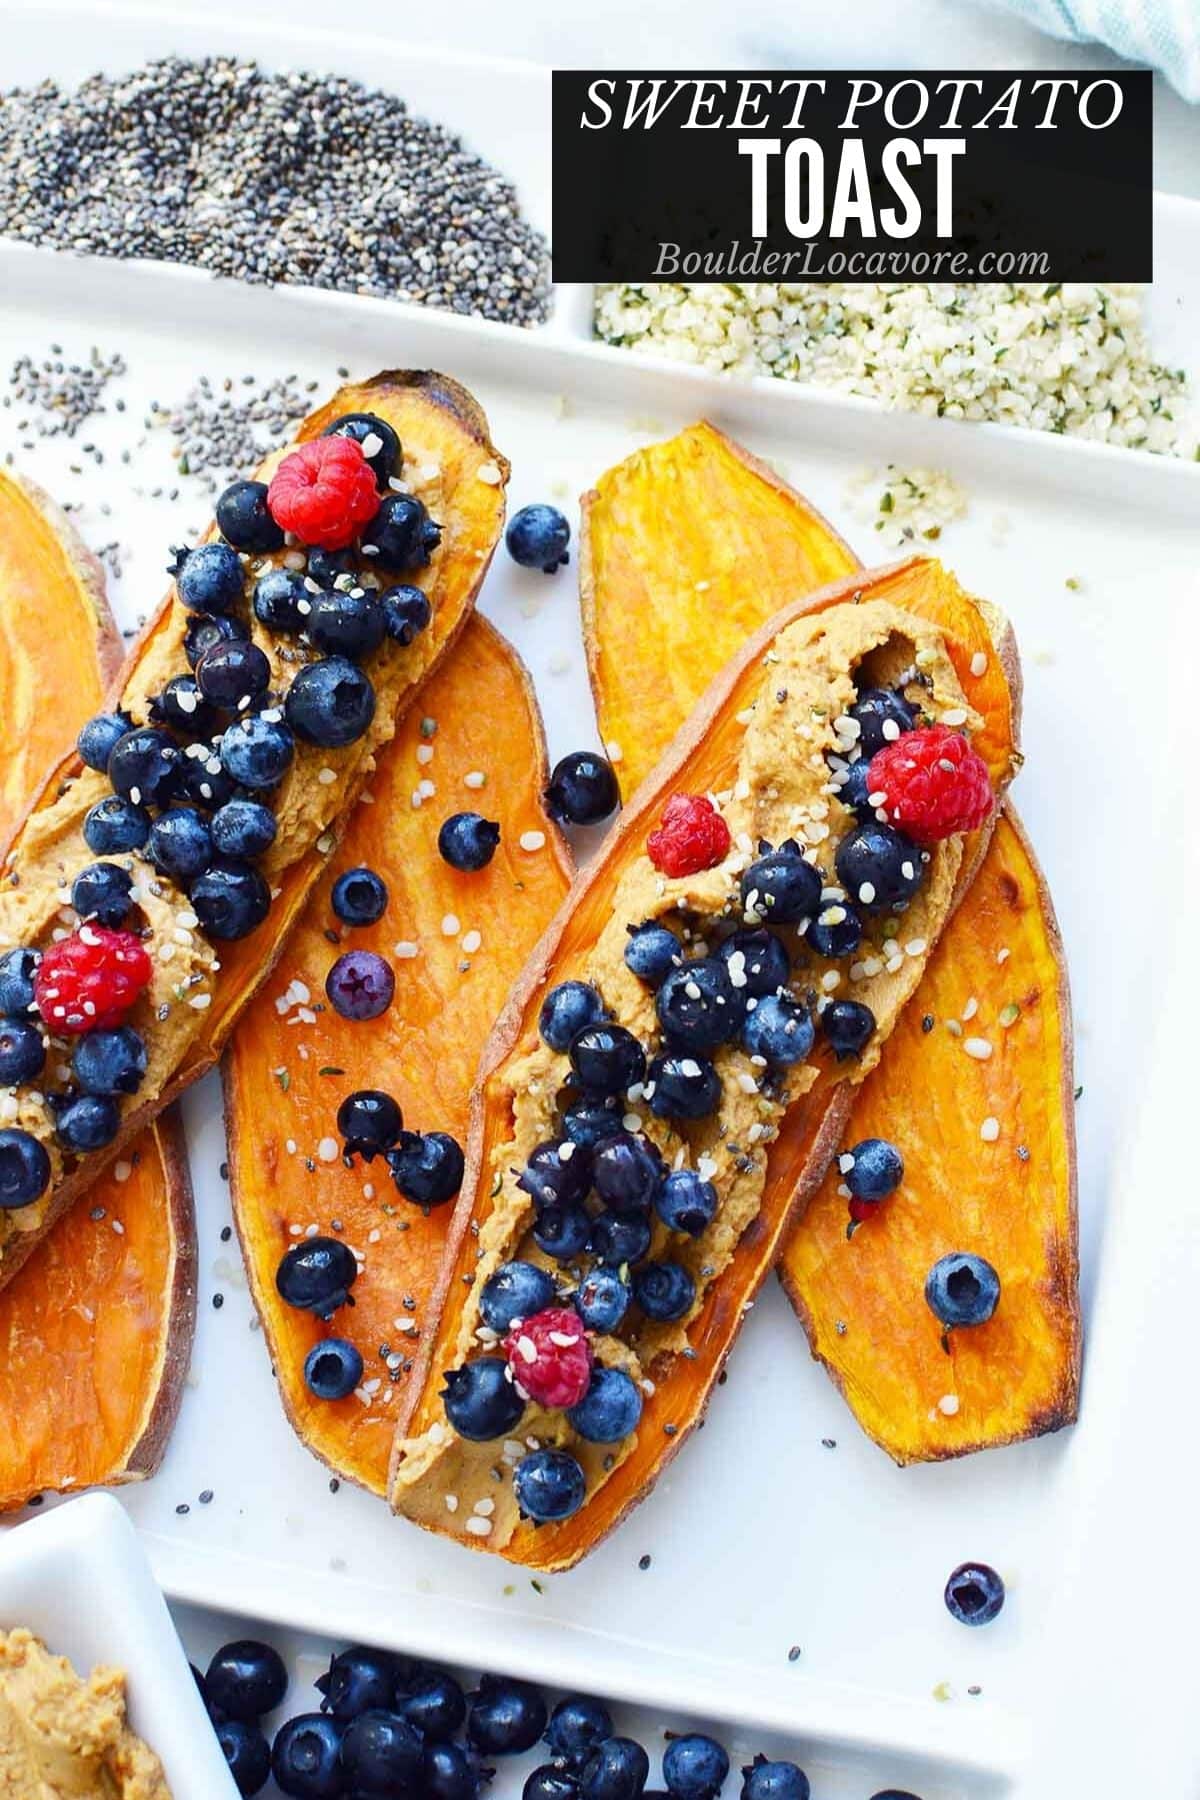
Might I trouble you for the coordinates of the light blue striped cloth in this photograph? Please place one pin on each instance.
(1165, 34)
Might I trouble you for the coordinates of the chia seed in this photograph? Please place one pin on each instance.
(61, 396)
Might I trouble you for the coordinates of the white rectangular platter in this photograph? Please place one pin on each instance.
(761, 1537)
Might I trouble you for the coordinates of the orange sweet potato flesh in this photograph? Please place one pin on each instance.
(96, 1334)
(702, 758)
(861, 1300)
(423, 1050)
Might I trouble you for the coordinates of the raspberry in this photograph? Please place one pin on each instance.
(550, 1357)
(324, 492)
(692, 837)
(90, 980)
(933, 784)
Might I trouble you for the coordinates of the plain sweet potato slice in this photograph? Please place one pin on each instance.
(893, 1378)
(429, 1461)
(283, 1081)
(95, 1337)
(449, 459)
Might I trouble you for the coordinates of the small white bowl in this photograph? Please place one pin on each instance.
(79, 1579)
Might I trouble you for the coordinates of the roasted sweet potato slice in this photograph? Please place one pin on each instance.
(284, 1079)
(450, 462)
(96, 1335)
(880, 1349)
(439, 1479)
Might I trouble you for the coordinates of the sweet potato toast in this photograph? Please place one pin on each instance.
(96, 1335)
(879, 623)
(284, 1081)
(186, 1014)
(860, 1299)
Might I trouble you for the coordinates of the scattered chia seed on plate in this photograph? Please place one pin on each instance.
(61, 396)
(300, 178)
(220, 427)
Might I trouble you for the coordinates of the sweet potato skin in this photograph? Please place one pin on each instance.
(699, 760)
(423, 1050)
(430, 411)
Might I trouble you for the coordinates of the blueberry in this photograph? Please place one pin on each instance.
(620, 1238)
(664, 1290)
(962, 1289)
(330, 703)
(103, 891)
(247, 1752)
(306, 1758)
(243, 828)
(609, 1410)
(697, 1006)
(24, 1168)
(556, 1174)
(326, 567)
(686, 1202)
(757, 962)
(883, 714)
(852, 781)
(562, 1232)
(616, 1770)
(427, 1167)
(96, 739)
(88, 1122)
(836, 931)
(506, 1716)
(695, 1767)
(22, 1052)
(144, 765)
(110, 1062)
(626, 1172)
(516, 1290)
(360, 985)
(381, 1755)
(607, 1058)
(468, 841)
(879, 867)
(848, 1026)
(895, 1794)
(202, 780)
(434, 1703)
(358, 1680)
(203, 630)
(582, 788)
(209, 579)
(369, 1121)
(183, 706)
(578, 1725)
(566, 1011)
(180, 843)
(359, 897)
(588, 1121)
(17, 970)
(652, 952)
(764, 1780)
(481, 1402)
(549, 1485)
(114, 826)
(602, 1300)
(549, 1781)
(230, 899)
(876, 1171)
(974, 1594)
(779, 1029)
(537, 538)
(243, 519)
(449, 1772)
(406, 613)
(375, 438)
(232, 676)
(781, 886)
(257, 751)
(282, 602)
(333, 1368)
(682, 1087)
(347, 623)
(316, 1275)
(402, 534)
(246, 1679)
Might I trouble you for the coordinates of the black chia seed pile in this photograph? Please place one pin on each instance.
(302, 179)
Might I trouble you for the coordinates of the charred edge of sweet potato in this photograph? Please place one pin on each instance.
(328, 1433)
(1060, 1407)
(445, 395)
(171, 1145)
(610, 1504)
(86, 568)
